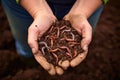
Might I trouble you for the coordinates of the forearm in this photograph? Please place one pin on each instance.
(85, 7)
(34, 7)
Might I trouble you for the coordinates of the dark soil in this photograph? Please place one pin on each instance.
(102, 62)
(61, 42)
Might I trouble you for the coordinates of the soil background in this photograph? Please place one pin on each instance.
(102, 62)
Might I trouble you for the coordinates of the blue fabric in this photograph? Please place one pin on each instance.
(94, 18)
(19, 20)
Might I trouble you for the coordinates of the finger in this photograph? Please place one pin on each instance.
(32, 38)
(76, 61)
(52, 70)
(64, 64)
(42, 61)
(86, 36)
(59, 70)
(66, 17)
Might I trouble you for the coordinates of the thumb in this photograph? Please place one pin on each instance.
(86, 36)
(66, 17)
(32, 38)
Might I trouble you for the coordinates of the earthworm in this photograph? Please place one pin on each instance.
(46, 37)
(58, 32)
(51, 42)
(75, 53)
(55, 57)
(54, 50)
(43, 50)
(62, 39)
(73, 36)
(72, 43)
(69, 39)
(44, 43)
(52, 38)
(63, 27)
(50, 29)
(69, 54)
(64, 47)
(68, 30)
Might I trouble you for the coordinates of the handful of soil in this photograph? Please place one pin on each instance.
(61, 42)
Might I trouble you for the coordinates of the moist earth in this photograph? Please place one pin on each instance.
(61, 42)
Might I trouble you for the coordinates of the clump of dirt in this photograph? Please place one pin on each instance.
(61, 42)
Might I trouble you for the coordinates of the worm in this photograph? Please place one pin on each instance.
(63, 27)
(55, 57)
(64, 47)
(52, 38)
(51, 42)
(58, 32)
(69, 54)
(44, 43)
(50, 29)
(68, 30)
(73, 36)
(73, 43)
(43, 50)
(69, 39)
(54, 50)
(75, 53)
(46, 37)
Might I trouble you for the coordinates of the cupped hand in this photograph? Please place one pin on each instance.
(82, 26)
(39, 26)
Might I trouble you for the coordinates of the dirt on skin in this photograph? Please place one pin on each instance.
(101, 63)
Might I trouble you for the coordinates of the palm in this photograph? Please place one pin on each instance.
(83, 27)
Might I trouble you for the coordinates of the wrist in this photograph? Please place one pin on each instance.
(37, 7)
(85, 7)
(78, 13)
(45, 15)
(75, 18)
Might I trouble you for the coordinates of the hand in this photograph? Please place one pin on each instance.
(36, 30)
(39, 26)
(78, 15)
(81, 24)
(43, 18)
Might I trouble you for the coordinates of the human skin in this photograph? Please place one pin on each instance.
(39, 10)
(78, 15)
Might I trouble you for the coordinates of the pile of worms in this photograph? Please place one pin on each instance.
(60, 42)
